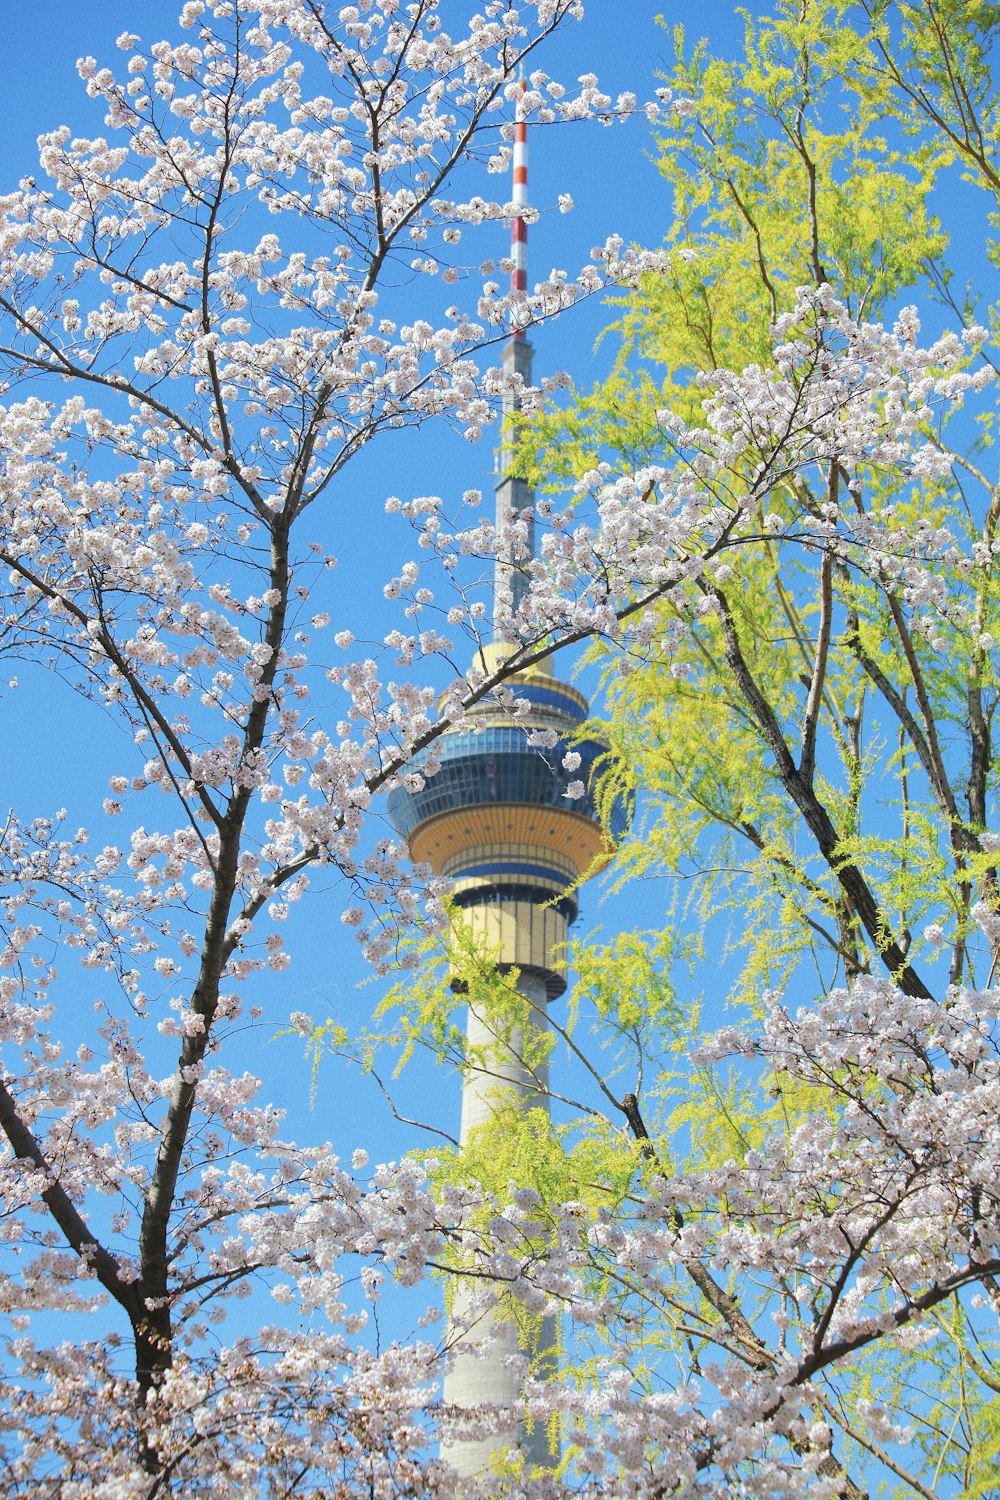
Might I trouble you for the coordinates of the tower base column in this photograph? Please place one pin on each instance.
(490, 1357)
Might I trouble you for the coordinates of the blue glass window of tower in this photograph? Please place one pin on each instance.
(499, 766)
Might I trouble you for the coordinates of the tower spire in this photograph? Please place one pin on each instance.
(515, 498)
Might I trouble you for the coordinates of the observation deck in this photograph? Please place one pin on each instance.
(497, 821)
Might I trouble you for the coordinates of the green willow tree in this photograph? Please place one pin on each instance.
(820, 757)
(814, 758)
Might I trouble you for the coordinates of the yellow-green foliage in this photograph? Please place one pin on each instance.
(798, 123)
(809, 159)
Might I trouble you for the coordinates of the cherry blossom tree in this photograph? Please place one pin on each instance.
(208, 313)
(201, 328)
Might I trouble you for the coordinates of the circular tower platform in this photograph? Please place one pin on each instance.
(497, 821)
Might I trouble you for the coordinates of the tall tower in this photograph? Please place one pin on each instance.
(496, 818)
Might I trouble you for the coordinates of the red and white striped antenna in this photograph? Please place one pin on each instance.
(519, 225)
